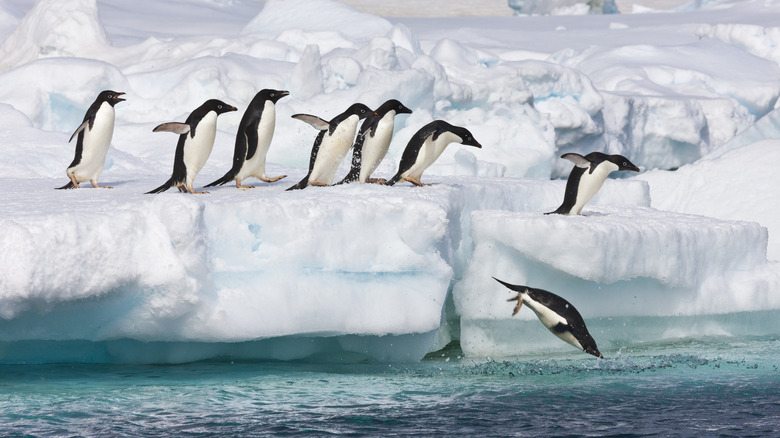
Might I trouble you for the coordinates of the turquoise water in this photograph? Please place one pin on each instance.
(707, 387)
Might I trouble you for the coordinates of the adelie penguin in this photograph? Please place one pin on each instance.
(253, 140)
(196, 139)
(557, 314)
(331, 145)
(372, 142)
(587, 177)
(94, 138)
(426, 146)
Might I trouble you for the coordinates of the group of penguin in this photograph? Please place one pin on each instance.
(253, 138)
(334, 140)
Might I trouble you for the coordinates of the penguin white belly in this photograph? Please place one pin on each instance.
(95, 145)
(590, 183)
(375, 148)
(197, 149)
(332, 151)
(255, 166)
(429, 152)
(551, 319)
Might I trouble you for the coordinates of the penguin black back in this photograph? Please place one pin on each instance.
(246, 135)
(433, 130)
(368, 129)
(358, 109)
(106, 96)
(576, 185)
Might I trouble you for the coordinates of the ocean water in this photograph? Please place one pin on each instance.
(705, 387)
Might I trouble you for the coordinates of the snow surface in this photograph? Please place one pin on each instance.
(390, 273)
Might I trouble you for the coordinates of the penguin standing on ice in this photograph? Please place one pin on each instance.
(331, 145)
(587, 177)
(253, 139)
(426, 146)
(196, 139)
(372, 142)
(557, 314)
(94, 139)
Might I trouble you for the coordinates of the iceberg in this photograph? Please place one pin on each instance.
(366, 272)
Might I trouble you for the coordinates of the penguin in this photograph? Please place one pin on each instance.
(94, 138)
(557, 314)
(426, 146)
(253, 139)
(372, 142)
(587, 177)
(196, 139)
(331, 145)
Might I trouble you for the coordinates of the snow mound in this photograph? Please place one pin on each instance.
(55, 29)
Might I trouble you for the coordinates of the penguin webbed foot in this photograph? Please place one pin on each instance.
(98, 186)
(519, 304)
(272, 179)
(376, 181)
(416, 182)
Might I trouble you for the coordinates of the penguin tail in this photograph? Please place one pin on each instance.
(302, 184)
(230, 176)
(167, 185)
(393, 180)
(559, 210)
(69, 185)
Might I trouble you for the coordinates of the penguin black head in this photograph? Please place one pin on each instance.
(392, 105)
(359, 110)
(623, 163)
(218, 106)
(272, 95)
(111, 97)
(466, 135)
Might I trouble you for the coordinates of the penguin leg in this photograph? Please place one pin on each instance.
(272, 179)
(519, 304)
(190, 189)
(98, 186)
(73, 180)
(241, 186)
(376, 180)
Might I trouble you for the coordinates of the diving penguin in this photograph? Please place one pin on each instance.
(557, 314)
(253, 139)
(587, 177)
(94, 139)
(196, 139)
(372, 142)
(426, 146)
(331, 145)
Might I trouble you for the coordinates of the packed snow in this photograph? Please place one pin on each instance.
(685, 248)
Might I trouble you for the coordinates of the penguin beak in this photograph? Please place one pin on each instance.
(404, 110)
(283, 93)
(119, 99)
(632, 167)
(232, 108)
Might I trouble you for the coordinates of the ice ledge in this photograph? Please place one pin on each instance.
(612, 263)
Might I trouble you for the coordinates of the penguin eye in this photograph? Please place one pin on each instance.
(219, 106)
(110, 96)
(625, 164)
(273, 94)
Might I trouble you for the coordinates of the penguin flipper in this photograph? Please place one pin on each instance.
(69, 185)
(79, 129)
(175, 127)
(577, 159)
(314, 121)
(167, 185)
